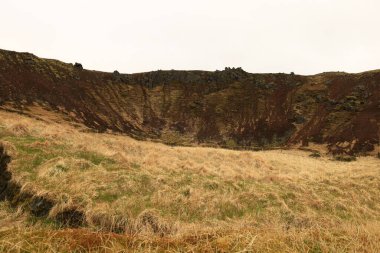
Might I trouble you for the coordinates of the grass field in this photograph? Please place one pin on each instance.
(147, 197)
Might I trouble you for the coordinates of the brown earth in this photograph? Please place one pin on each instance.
(229, 108)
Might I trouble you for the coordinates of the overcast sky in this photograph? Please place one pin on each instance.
(304, 36)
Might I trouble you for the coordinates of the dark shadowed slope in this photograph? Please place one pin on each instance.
(230, 108)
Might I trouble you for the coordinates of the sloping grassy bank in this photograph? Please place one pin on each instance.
(126, 194)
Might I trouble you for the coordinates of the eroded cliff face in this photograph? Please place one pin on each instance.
(230, 108)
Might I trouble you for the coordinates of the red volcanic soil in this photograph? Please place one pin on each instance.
(229, 108)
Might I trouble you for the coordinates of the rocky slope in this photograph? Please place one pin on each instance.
(229, 108)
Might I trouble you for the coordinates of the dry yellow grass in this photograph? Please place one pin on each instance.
(187, 198)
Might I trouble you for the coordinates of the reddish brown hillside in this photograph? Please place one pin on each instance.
(230, 108)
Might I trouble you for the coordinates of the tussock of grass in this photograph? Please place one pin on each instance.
(345, 158)
(188, 199)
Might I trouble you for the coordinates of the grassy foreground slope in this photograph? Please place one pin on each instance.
(83, 191)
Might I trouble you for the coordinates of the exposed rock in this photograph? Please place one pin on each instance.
(5, 175)
(78, 66)
(116, 76)
(29, 60)
(299, 119)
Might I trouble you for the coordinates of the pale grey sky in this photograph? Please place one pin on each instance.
(304, 36)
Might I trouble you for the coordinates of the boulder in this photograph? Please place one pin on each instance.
(78, 66)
